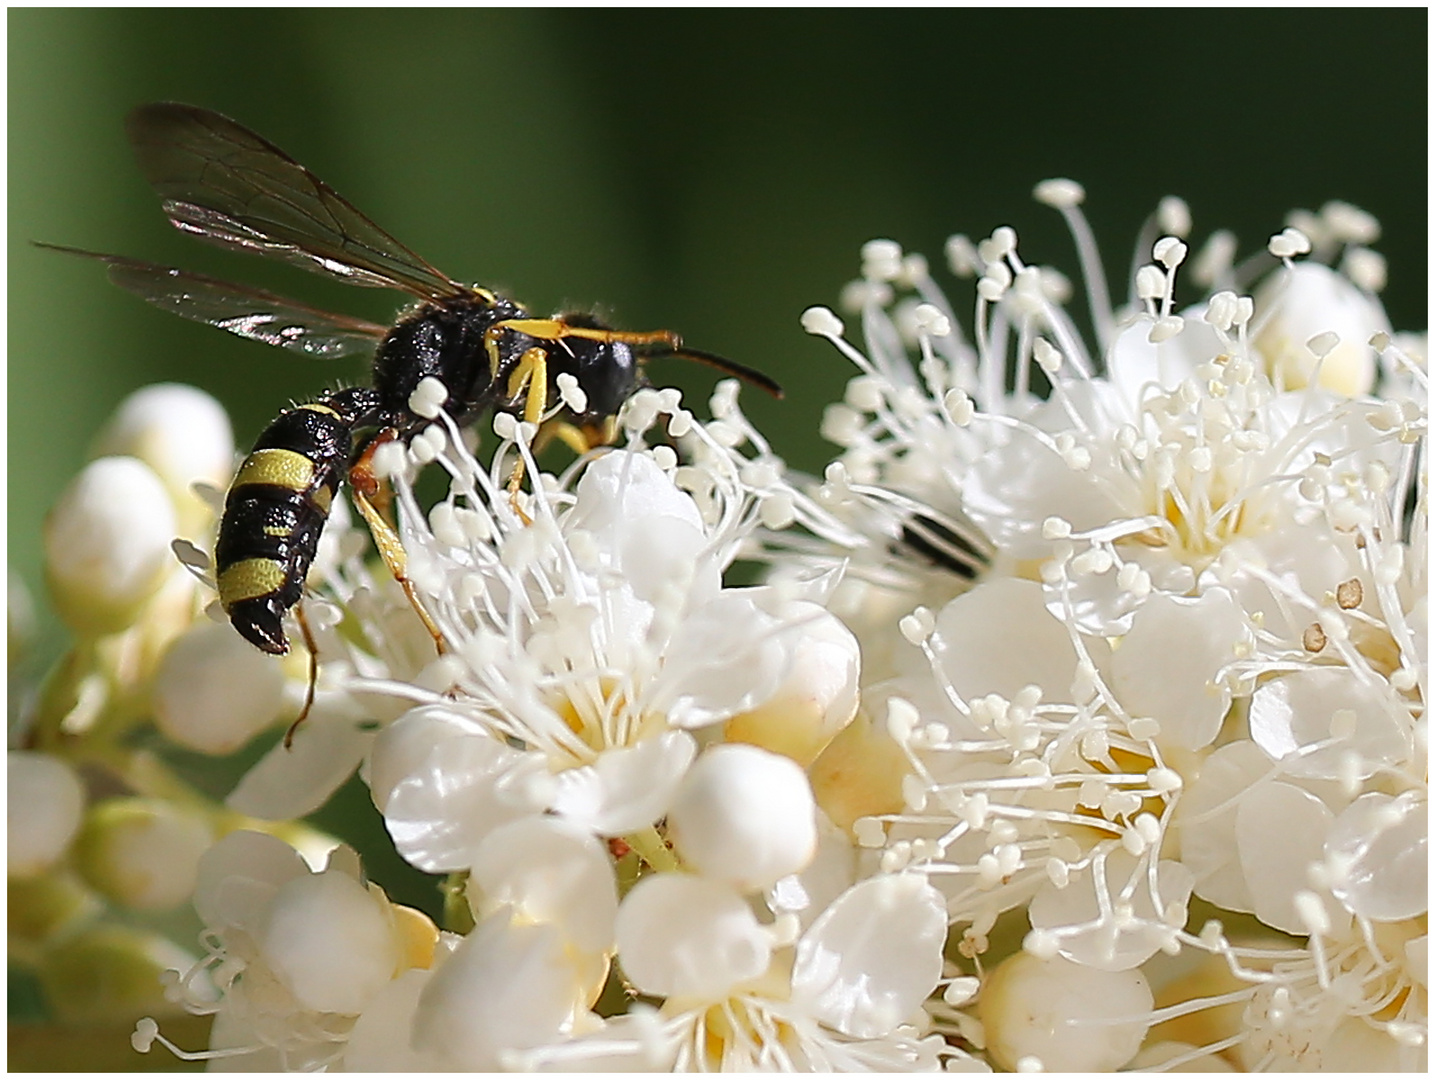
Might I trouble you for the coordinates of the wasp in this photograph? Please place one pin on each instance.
(222, 183)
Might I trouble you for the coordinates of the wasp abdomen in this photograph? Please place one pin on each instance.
(276, 510)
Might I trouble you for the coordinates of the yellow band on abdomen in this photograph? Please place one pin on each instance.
(249, 578)
(277, 468)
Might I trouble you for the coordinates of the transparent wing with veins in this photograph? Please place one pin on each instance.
(222, 183)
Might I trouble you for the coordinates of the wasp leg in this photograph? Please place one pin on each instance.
(365, 486)
(529, 378)
(570, 435)
(557, 329)
(313, 648)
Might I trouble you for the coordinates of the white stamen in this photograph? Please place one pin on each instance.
(1059, 194)
(821, 322)
(428, 397)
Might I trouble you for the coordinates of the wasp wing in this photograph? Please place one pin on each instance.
(250, 313)
(221, 182)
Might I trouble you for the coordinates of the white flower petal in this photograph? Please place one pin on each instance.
(1021, 481)
(724, 658)
(832, 871)
(1208, 840)
(442, 787)
(818, 697)
(1139, 367)
(290, 782)
(1291, 714)
(548, 871)
(627, 788)
(1382, 844)
(1167, 666)
(506, 987)
(873, 956)
(380, 1038)
(327, 939)
(1309, 299)
(622, 487)
(1280, 834)
(240, 874)
(689, 937)
(1104, 940)
(999, 638)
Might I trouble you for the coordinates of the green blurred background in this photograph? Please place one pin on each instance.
(713, 172)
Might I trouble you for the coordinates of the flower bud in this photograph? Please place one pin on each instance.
(859, 775)
(107, 544)
(44, 801)
(744, 816)
(142, 853)
(685, 936)
(110, 974)
(41, 908)
(1069, 1017)
(19, 619)
(214, 691)
(181, 433)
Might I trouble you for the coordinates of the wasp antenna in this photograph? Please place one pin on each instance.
(729, 367)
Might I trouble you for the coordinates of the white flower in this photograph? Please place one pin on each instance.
(1308, 300)
(294, 956)
(586, 642)
(685, 936)
(843, 998)
(506, 987)
(1164, 630)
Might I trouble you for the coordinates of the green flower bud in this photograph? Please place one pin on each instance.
(38, 909)
(110, 974)
(142, 853)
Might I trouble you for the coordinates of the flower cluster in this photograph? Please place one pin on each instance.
(1072, 720)
(1166, 645)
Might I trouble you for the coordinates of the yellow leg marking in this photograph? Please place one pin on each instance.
(248, 579)
(532, 374)
(557, 329)
(571, 436)
(362, 486)
(391, 550)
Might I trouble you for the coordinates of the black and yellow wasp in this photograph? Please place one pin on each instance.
(222, 183)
